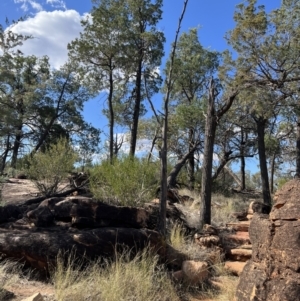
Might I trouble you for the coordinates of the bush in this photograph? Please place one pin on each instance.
(48, 169)
(127, 181)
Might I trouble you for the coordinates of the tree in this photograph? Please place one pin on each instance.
(213, 116)
(100, 49)
(268, 58)
(193, 66)
(120, 49)
(22, 79)
(164, 149)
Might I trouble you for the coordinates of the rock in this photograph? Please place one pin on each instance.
(241, 216)
(239, 254)
(258, 207)
(195, 272)
(35, 297)
(238, 238)
(41, 216)
(9, 212)
(273, 272)
(78, 223)
(207, 241)
(178, 276)
(174, 258)
(241, 226)
(234, 267)
(40, 247)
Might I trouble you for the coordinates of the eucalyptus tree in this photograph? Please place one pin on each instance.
(8, 43)
(100, 50)
(22, 79)
(164, 148)
(268, 62)
(192, 67)
(120, 49)
(218, 104)
(59, 111)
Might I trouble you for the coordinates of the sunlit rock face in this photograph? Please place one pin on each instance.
(273, 273)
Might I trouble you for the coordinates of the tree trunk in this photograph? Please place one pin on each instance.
(243, 163)
(16, 147)
(212, 119)
(297, 175)
(260, 125)
(171, 181)
(4, 155)
(164, 149)
(111, 117)
(137, 106)
(191, 160)
(272, 171)
(210, 130)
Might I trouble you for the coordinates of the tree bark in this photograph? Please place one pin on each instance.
(137, 106)
(210, 130)
(4, 155)
(191, 160)
(164, 149)
(260, 126)
(297, 175)
(212, 119)
(272, 171)
(111, 117)
(171, 181)
(243, 163)
(16, 147)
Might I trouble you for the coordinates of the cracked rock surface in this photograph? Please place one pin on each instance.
(273, 272)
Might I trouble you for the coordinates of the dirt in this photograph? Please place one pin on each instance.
(23, 289)
(17, 191)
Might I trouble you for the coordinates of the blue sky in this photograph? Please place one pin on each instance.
(54, 23)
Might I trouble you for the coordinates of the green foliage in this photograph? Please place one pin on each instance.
(282, 181)
(127, 181)
(50, 168)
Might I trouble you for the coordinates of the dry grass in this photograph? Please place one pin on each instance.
(9, 272)
(138, 279)
(222, 207)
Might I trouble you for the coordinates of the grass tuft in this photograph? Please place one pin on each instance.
(9, 271)
(138, 279)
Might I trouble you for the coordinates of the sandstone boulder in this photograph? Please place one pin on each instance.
(273, 273)
(36, 233)
(195, 272)
(35, 297)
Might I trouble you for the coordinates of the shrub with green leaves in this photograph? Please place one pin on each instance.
(128, 181)
(50, 168)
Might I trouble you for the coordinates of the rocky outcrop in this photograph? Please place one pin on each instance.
(273, 273)
(36, 233)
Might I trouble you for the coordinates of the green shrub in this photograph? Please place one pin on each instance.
(48, 169)
(127, 181)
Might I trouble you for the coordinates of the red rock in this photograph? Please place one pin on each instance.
(240, 226)
(195, 271)
(239, 254)
(235, 267)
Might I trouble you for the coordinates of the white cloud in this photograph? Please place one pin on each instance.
(26, 4)
(57, 4)
(52, 31)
